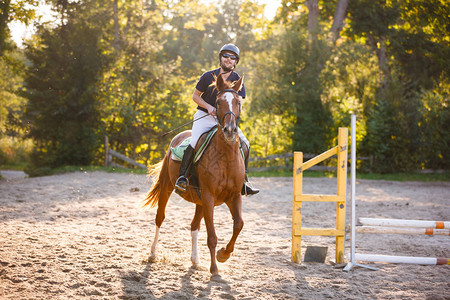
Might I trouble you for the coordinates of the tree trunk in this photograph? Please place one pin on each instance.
(313, 17)
(116, 25)
(338, 21)
(379, 46)
(313, 117)
(4, 16)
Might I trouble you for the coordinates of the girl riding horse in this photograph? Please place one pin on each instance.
(221, 175)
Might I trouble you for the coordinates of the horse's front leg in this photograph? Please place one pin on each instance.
(235, 207)
(208, 215)
(195, 228)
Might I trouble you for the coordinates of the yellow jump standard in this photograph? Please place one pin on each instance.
(339, 232)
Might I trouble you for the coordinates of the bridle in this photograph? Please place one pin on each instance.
(230, 112)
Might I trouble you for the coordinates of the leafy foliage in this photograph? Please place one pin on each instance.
(434, 123)
(127, 69)
(18, 10)
(412, 54)
(62, 110)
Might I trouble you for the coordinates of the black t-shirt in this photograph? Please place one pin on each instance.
(210, 92)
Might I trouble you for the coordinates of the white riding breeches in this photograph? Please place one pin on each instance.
(204, 124)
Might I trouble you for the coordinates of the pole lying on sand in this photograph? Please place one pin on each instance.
(388, 226)
(403, 259)
(401, 230)
(404, 223)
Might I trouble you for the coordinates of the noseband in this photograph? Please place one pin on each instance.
(230, 112)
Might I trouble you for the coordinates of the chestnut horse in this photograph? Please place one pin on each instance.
(220, 172)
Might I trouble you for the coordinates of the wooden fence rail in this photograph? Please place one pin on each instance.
(109, 153)
(287, 157)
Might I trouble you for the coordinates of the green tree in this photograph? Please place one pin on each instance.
(193, 37)
(408, 38)
(434, 124)
(19, 10)
(62, 112)
(142, 93)
(12, 65)
(305, 45)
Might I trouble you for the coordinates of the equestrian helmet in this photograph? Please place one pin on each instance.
(231, 48)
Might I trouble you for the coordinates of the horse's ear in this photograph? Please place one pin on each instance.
(238, 84)
(220, 84)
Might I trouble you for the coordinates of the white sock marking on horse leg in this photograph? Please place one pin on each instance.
(155, 243)
(194, 257)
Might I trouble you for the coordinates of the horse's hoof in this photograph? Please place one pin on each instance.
(222, 255)
(195, 261)
(150, 259)
(199, 267)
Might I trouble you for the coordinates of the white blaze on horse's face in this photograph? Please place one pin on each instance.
(229, 128)
(229, 97)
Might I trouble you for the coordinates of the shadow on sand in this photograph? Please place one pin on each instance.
(196, 283)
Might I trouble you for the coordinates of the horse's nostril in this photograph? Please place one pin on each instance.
(230, 129)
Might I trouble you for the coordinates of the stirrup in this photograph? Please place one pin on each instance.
(178, 186)
(248, 191)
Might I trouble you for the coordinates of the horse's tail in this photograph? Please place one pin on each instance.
(155, 191)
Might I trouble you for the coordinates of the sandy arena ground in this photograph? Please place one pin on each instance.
(82, 236)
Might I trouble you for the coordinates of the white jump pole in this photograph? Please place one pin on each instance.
(352, 262)
(404, 223)
(401, 230)
(393, 224)
(403, 259)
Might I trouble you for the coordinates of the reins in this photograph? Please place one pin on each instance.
(163, 135)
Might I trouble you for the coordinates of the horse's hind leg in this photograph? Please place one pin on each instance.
(235, 207)
(166, 190)
(195, 228)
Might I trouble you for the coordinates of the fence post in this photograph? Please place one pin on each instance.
(341, 191)
(297, 207)
(106, 151)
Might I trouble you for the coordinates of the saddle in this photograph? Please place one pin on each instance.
(178, 151)
(204, 141)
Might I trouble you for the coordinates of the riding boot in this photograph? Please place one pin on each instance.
(186, 164)
(247, 190)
